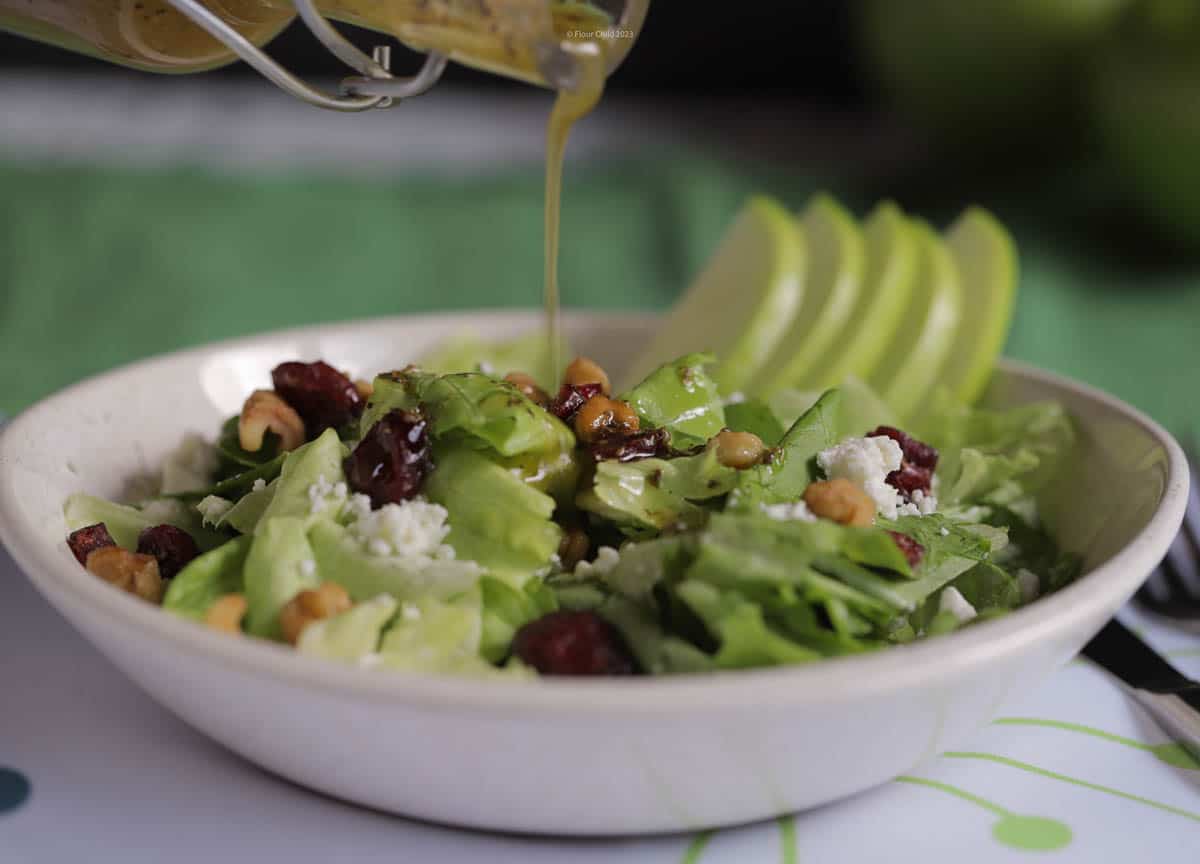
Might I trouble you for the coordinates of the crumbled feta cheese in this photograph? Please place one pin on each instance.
(1029, 584)
(189, 467)
(606, 561)
(356, 508)
(212, 509)
(308, 567)
(414, 529)
(259, 485)
(410, 612)
(944, 531)
(323, 495)
(866, 462)
(920, 504)
(951, 600)
(735, 399)
(487, 368)
(795, 511)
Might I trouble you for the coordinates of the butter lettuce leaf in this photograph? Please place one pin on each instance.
(351, 635)
(649, 495)
(790, 467)
(304, 466)
(341, 558)
(207, 578)
(472, 409)
(496, 519)
(680, 397)
(276, 572)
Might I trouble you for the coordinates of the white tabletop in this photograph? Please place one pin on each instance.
(113, 777)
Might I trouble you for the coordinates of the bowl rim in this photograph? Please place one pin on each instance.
(901, 666)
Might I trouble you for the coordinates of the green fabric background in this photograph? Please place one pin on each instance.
(100, 266)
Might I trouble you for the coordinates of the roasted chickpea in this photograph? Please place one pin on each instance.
(226, 613)
(601, 417)
(739, 450)
(586, 371)
(841, 501)
(529, 387)
(324, 601)
(573, 548)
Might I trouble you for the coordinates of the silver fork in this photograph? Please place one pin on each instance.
(1173, 589)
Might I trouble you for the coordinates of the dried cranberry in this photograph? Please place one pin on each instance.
(322, 396)
(572, 643)
(917, 452)
(909, 479)
(631, 448)
(912, 550)
(571, 398)
(392, 460)
(916, 466)
(173, 547)
(87, 540)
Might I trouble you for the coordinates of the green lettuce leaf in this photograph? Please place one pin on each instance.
(496, 519)
(207, 578)
(791, 467)
(999, 456)
(656, 651)
(480, 411)
(303, 467)
(738, 625)
(351, 635)
(276, 572)
(682, 398)
(340, 558)
(443, 637)
(756, 416)
(650, 495)
(506, 610)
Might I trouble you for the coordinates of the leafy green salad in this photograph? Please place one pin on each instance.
(460, 517)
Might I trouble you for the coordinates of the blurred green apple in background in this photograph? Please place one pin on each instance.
(980, 72)
(1145, 98)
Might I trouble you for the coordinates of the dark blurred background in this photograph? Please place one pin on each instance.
(803, 51)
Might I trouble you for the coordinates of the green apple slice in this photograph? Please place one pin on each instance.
(740, 305)
(915, 356)
(891, 269)
(986, 260)
(836, 262)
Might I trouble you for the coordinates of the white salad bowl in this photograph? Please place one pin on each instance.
(570, 757)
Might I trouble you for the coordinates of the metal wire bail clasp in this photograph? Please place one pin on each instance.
(377, 88)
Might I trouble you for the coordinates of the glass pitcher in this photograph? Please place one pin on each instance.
(507, 37)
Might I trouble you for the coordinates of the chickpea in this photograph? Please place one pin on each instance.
(600, 417)
(130, 571)
(739, 450)
(265, 410)
(324, 601)
(529, 387)
(586, 371)
(841, 501)
(573, 548)
(226, 613)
